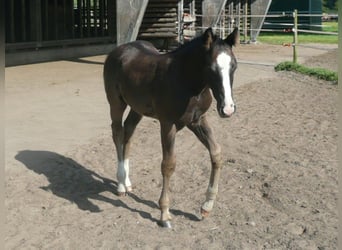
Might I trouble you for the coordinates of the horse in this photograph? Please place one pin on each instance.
(174, 88)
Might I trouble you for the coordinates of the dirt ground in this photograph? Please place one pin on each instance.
(278, 188)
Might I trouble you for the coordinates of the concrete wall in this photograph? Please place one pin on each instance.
(129, 15)
(258, 7)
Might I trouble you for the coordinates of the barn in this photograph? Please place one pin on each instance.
(37, 30)
(312, 9)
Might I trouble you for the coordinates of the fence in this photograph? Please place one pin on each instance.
(33, 26)
(228, 22)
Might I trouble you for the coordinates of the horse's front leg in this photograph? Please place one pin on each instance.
(168, 133)
(204, 133)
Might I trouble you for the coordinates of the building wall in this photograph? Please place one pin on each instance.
(41, 30)
(303, 7)
(52, 29)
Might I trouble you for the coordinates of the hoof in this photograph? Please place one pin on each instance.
(121, 194)
(165, 224)
(128, 190)
(204, 213)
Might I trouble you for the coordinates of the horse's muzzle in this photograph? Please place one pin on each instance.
(226, 112)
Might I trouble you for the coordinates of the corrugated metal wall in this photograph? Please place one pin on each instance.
(303, 7)
(32, 24)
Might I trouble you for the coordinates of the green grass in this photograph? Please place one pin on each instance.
(281, 38)
(330, 26)
(320, 73)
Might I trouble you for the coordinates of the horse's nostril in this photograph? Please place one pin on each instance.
(233, 107)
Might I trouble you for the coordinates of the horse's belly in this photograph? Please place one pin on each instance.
(146, 110)
(141, 103)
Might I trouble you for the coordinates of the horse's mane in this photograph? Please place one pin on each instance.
(192, 44)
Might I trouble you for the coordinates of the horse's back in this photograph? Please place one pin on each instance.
(128, 52)
(129, 74)
(127, 59)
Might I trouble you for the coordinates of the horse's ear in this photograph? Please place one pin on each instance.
(234, 38)
(208, 38)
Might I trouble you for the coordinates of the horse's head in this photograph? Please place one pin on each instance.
(221, 65)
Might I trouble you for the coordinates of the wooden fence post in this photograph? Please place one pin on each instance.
(295, 35)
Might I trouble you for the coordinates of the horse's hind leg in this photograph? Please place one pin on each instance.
(204, 133)
(122, 134)
(117, 108)
(130, 124)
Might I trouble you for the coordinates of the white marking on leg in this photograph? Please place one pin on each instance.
(125, 114)
(121, 175)
(127, 180)
(223, 61)
(210, 199)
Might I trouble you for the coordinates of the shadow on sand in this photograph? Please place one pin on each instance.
(74, 182)
(81, 60)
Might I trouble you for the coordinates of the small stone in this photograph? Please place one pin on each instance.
(296, 229)
(231, 160)
(250, 171)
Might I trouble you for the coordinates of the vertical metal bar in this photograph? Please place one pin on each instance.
(39, 35)
(192, 8)
(80, 21)
(95, 16)
(12, 24)
(84, 15)
(88, 18)
(238, 11)
(112, 16)
(35, 22)
(222, 23)
(64, 20)
(46, 20)
(105, 17)
(23, 20)
(180, 21)
(231, 16)
(72, 8)
(32, 21)
(193, 13)
(101, 6)
(55, 12)
(245, 20)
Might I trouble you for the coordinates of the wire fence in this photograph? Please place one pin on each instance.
(278, 26)
(277, 23)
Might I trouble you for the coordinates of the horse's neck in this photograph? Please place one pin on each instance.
(193, 67)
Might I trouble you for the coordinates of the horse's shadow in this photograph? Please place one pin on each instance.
(72, 181)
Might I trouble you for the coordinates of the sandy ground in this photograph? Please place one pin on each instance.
(278, 188)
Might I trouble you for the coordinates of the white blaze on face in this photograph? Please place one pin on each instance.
(223, 62)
